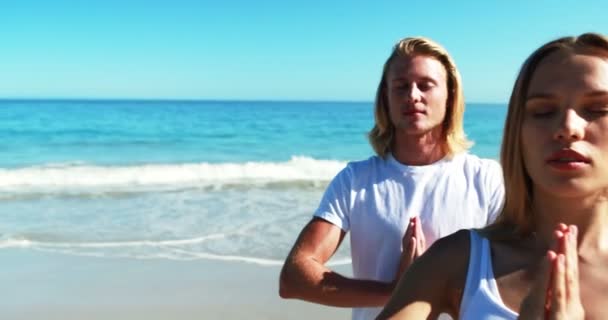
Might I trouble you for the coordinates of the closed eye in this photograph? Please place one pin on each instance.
(599, 110)
(541, 110)
(541, 105)
(543, 113)
(597, 107)
(425, 85)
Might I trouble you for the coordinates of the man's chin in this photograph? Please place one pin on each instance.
(414, 129)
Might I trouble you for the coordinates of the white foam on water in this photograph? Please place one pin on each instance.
(165, 249)
(78, 177)
(17, 242)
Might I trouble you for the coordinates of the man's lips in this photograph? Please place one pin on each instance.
(413, 112)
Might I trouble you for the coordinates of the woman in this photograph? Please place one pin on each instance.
(547, 254)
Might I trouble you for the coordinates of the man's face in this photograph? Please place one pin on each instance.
(417, 94)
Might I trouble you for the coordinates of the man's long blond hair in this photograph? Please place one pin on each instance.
(454, 140)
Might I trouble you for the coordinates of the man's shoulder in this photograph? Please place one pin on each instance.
(366, 164)
(367, 170)
(471, 162)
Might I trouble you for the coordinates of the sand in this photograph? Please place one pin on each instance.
(42, 285)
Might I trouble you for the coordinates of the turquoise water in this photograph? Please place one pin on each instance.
(180, 180)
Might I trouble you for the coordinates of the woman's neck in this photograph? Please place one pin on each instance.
(589, 214)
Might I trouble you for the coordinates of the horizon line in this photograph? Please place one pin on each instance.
(190, 100)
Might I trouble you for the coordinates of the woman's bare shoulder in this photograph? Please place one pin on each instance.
(433, 283)
(454, 248)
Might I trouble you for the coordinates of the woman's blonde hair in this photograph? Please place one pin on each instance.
(382, 135)
(517, 214)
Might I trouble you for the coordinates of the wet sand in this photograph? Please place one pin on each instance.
(41, 285)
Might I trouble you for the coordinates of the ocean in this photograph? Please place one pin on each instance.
(181, 180)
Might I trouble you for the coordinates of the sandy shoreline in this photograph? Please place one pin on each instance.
(51, 286)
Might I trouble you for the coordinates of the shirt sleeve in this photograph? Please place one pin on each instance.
(496, 190)
(335, 203)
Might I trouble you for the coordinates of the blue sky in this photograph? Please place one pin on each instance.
(263, 49)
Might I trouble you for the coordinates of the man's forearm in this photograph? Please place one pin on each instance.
(311, 281)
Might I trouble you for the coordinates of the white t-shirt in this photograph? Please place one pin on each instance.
(374, 199)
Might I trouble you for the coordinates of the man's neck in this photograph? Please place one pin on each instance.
(418, 150)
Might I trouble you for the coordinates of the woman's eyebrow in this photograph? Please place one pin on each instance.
(597, 93)
(540, 96)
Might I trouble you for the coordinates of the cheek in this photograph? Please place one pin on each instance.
(439, 111)
(438, 102)
(599, 135)
(394, 112)
(392, 107)
(391, 99)
(530, 145)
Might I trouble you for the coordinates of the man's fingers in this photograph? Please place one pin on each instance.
(408, 256)
(409, 249)
(421, 243)
(412, 250)
(413, 242)
(421, 247)
(409, 233)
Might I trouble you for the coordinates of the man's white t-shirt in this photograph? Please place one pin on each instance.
(374, 199)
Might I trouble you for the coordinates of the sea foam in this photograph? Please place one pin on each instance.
(79, 176)
(162, 249)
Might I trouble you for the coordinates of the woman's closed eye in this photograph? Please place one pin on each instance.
(542, 111)
(597, 108)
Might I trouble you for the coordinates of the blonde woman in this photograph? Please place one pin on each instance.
(546, 256)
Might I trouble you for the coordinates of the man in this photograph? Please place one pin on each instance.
(422, 180)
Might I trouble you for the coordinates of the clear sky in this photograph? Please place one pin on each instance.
(265, 49)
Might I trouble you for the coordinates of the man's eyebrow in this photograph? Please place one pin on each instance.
(399, 78)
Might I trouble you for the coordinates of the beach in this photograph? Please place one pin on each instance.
(50, 286)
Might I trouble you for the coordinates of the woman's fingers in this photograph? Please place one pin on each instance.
(555, 293)
(565, 302)
(572, 277)
(534, 306)
(558, 287)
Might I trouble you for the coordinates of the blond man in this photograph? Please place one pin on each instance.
(420, 186)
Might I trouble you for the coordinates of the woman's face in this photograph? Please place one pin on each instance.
(565, 125)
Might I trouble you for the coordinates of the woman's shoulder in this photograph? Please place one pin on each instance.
(438, 276)
(450, 256)
(454, 243)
